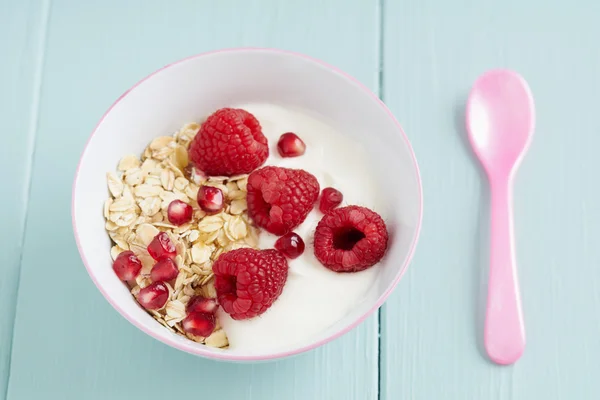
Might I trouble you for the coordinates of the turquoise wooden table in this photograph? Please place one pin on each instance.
(63, 62)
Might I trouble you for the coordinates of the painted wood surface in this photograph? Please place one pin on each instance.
(63, 62)
(21, 52)
(70, 344)
(432, 325)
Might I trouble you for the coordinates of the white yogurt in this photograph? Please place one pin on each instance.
(314, 297)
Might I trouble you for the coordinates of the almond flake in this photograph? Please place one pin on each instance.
(193, 235)
(121, 204)
(252, 238)
(167, 179)
(147, 166)
(210, 224)
(147, 190)
(154, 180)
(201, 253)
(115, 251)
(180, 247)
(162, 154)
(135, 290)
(189, 290)
(164, 225)
(157, 218)
(179, 280)
(125, 219)
(198, 214)
(236, 195)
(161, 142)
(142, 281)
(175, 309)
(182, 229)
(235, 246)
(210, 237)
(134, 176)
(217, 253)
(121, 243)
(107, 205)
(242, 184)
(231, 186)
(127, 193)
(180, 157)
(192, 190)
(114, 184)
(238, 206)
(236, 229)
(129, 162)
(183, 298)
(111, 226)
(208, 288)
(203, 270)
(181, 183)
(150, 205)
(223, 240)
(146, 233)
(217, 339)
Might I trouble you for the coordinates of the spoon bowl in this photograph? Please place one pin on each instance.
(500, 120)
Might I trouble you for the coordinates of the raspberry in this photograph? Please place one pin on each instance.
(279, 199)
(230, 142)
(350, 239)
(248, 281)
(330, 199)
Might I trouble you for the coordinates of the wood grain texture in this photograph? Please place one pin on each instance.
(22, 27)
(432, 325)
(68, 342)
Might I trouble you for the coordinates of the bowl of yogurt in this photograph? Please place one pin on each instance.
(176, 244)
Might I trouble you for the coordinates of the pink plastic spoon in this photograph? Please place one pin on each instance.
(500, 122)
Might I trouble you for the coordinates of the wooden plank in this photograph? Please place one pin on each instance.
(431, 329)
(22, 28)
(69, 343)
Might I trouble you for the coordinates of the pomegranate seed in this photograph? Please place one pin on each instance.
(330, 199)
(199, 324)
(164, 270)
(127, 266)
(195, 175)
(291, 245)
(161, 247)
(179, 212)
(210, 199)
(153, 296)
(290, 145)
(202, 304)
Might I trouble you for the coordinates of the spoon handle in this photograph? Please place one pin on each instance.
(504, 328)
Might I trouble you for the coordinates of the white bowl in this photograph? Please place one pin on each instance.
(189, 90)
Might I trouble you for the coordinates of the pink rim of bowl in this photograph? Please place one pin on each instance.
(279, 355)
